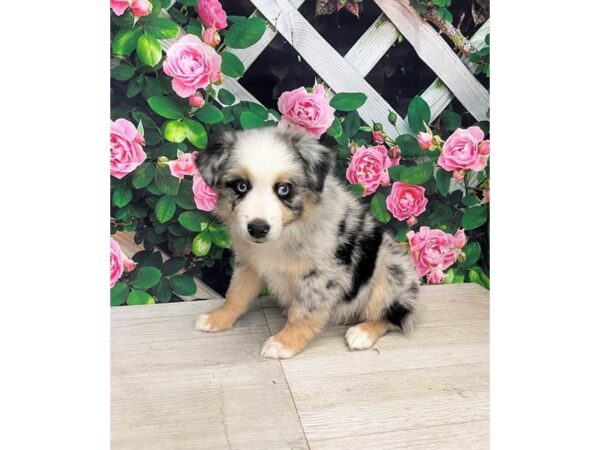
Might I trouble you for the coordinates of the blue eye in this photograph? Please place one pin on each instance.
(241, 187)
(284, 190)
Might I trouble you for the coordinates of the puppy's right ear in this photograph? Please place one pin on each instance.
(211, 161)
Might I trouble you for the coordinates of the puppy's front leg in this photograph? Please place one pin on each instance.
(243, 290)
(301, 327)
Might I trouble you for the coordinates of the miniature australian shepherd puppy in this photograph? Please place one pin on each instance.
(297, 231)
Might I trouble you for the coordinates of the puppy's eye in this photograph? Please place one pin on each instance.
(284, 190)
(241, 187)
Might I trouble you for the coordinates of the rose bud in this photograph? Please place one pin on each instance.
(458, 175)
(484, 147)
(377, 127)
(460, 238)
(424, 140)
(196, 101)
(392, 117)
(353, 147)
(211, 37)
(378, 137)
(141, 8)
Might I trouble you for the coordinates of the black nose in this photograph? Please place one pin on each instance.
(258, 228)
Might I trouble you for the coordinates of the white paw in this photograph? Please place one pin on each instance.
(275, 349)
(202, 324)
(358, 339)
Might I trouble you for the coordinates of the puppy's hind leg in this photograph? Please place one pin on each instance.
(365, 334)
(243, 290)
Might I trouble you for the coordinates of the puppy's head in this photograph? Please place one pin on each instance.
(266, 179)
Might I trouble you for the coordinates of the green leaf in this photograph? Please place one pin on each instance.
(125, 41)
(449, 276)
(183, 285)
(162, 291)
(474, 217)
(122, 196)
(134, 87)
(244, 33)
(220, 236)
(209, 114)
(348, 101)
(175, 131)
(225, 97)
(136, 297)
(472, 253)
(351, 124)
(470, 200)
(165, 182)
(193, 220)
(417, 175)
(201, 244)
(195, 133)
(231, 65)
(145, 277)
(166, 107)
(165, 208)
(249, 120)
(357, 190)
(335, 130)
(161, 28)
(442, 180)
(118, 294)
(185, 197)
(378, 208)
(477, 275)
(122, 72)
(451, 120)
(418, 112)
(149, 50)
(143, 175)
(173, 265)
(409, 147)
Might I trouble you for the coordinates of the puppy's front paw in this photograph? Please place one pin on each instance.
(358, 339)
(211, 323)
(275, 349)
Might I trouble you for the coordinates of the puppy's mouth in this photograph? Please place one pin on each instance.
(258, 240)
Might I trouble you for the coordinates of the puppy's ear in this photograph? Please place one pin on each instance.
(317, 160)
(211, 161)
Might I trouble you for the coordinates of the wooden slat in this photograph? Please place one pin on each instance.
(434, 52)
(324, 59)
(438, 96)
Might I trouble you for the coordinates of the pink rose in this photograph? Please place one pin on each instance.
(211, 37)
(126, 152)
(424, 140)
(184, 165)
(378, 137)
(128, 264)
(196, 101)
(460, 238)
(406, 201)
(116, 262)
(192, 64)
(484, 147)
(141, 8)
(395, 155)
(119, 6)
(204, 197)
(432, 251)
(303, 110)
(458, 175)
(368, 167)
(486, 196)
(212, 14)
(461, 150)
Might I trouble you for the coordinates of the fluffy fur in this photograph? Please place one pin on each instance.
(323, 257)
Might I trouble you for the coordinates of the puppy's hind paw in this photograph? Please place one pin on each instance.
(358, 339)
(275, 349)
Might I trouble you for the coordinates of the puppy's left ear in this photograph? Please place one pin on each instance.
(317, 160)
(211, 161)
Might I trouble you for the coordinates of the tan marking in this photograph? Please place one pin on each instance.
(300, 329)
(379, 296)
(374, 328)
(243, 290)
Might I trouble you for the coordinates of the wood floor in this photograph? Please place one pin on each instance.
(174, 388)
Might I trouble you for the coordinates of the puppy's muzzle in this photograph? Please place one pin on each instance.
(258, 228)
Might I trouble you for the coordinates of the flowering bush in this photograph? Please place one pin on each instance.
(430, 188)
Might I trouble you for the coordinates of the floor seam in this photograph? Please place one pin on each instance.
(286, 381)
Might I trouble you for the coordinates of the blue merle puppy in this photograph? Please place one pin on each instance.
(297, 231)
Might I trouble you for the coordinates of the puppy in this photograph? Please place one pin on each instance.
(297, 231)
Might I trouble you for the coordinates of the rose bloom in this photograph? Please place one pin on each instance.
(141, 8)
(126, 152)
(368, 167)
(192, 64)
(204, 196)
(303, 110)
(119, 6)
(461, 150)
(185, 164)
(118, 262)
(212, 14)
(406, 201)
(378, 137)
(432, 252)
(424, 140)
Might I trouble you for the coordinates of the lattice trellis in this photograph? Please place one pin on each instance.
(346, 74)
